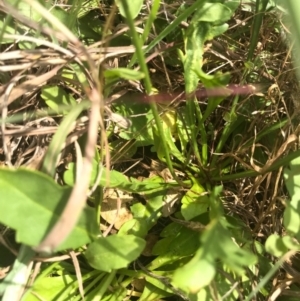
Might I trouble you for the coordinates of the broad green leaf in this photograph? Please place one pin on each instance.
(224, 287)
(215, 31)
(138, 210)
(9, 27)
(134, 7)
(238, 229)
(87, 7)
(90, 27)
(31, 203)
(232, 4)
(115, 179)
(50, 288)
(141, 117)
(291, 218)
(154, 203)
(137, 227)
(162, 246)
(64, 16)
(195, 275)
(76, 74)
(86, 33)
(183, 243)
(124, 73)
(194, 202)
(275, 245)
(28, 10)
(229, 252)
(171, 230)
(114, 252)
(216, 206)
(290, 243)
(278, 246)
(216, 13)
(216, 243)
(56, 96)
(169, 120)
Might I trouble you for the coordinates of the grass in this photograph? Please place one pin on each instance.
(149, 151)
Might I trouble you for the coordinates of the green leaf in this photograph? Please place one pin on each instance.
(196, 274)
(216, 244)
(232, 4)
(142, 117)
(153, 293)
(158, 147)
(134, 7)
(195, 37)
(17, 278)
(194, 202)
(115, 179)
(122, 150)
(291, 217)
(278, 246)
(87, 7)
(31, 203)
(275, 245)
(114, 252)
(50, 288)
(29, 11)
(124, 73)
(224, 287)
(137, 227)
(75, 73)
(210, 82)
(57, 142)
(182, 242)
(56, 96)
(8, 27)
(290, 243)
(159, 285)
(64, 17)
(90, 26)
(213, 13)
(182, 131)
(138, 210)
(169, 130)
(215, 31)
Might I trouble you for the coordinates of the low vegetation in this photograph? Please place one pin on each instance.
(149, 150)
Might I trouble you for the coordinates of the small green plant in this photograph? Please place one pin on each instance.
(167, 194)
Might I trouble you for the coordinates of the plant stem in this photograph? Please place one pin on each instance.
(148, 87)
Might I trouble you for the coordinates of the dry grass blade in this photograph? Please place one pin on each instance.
(76, 202)
(78, 273)
(29, 85)
(78, 196)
